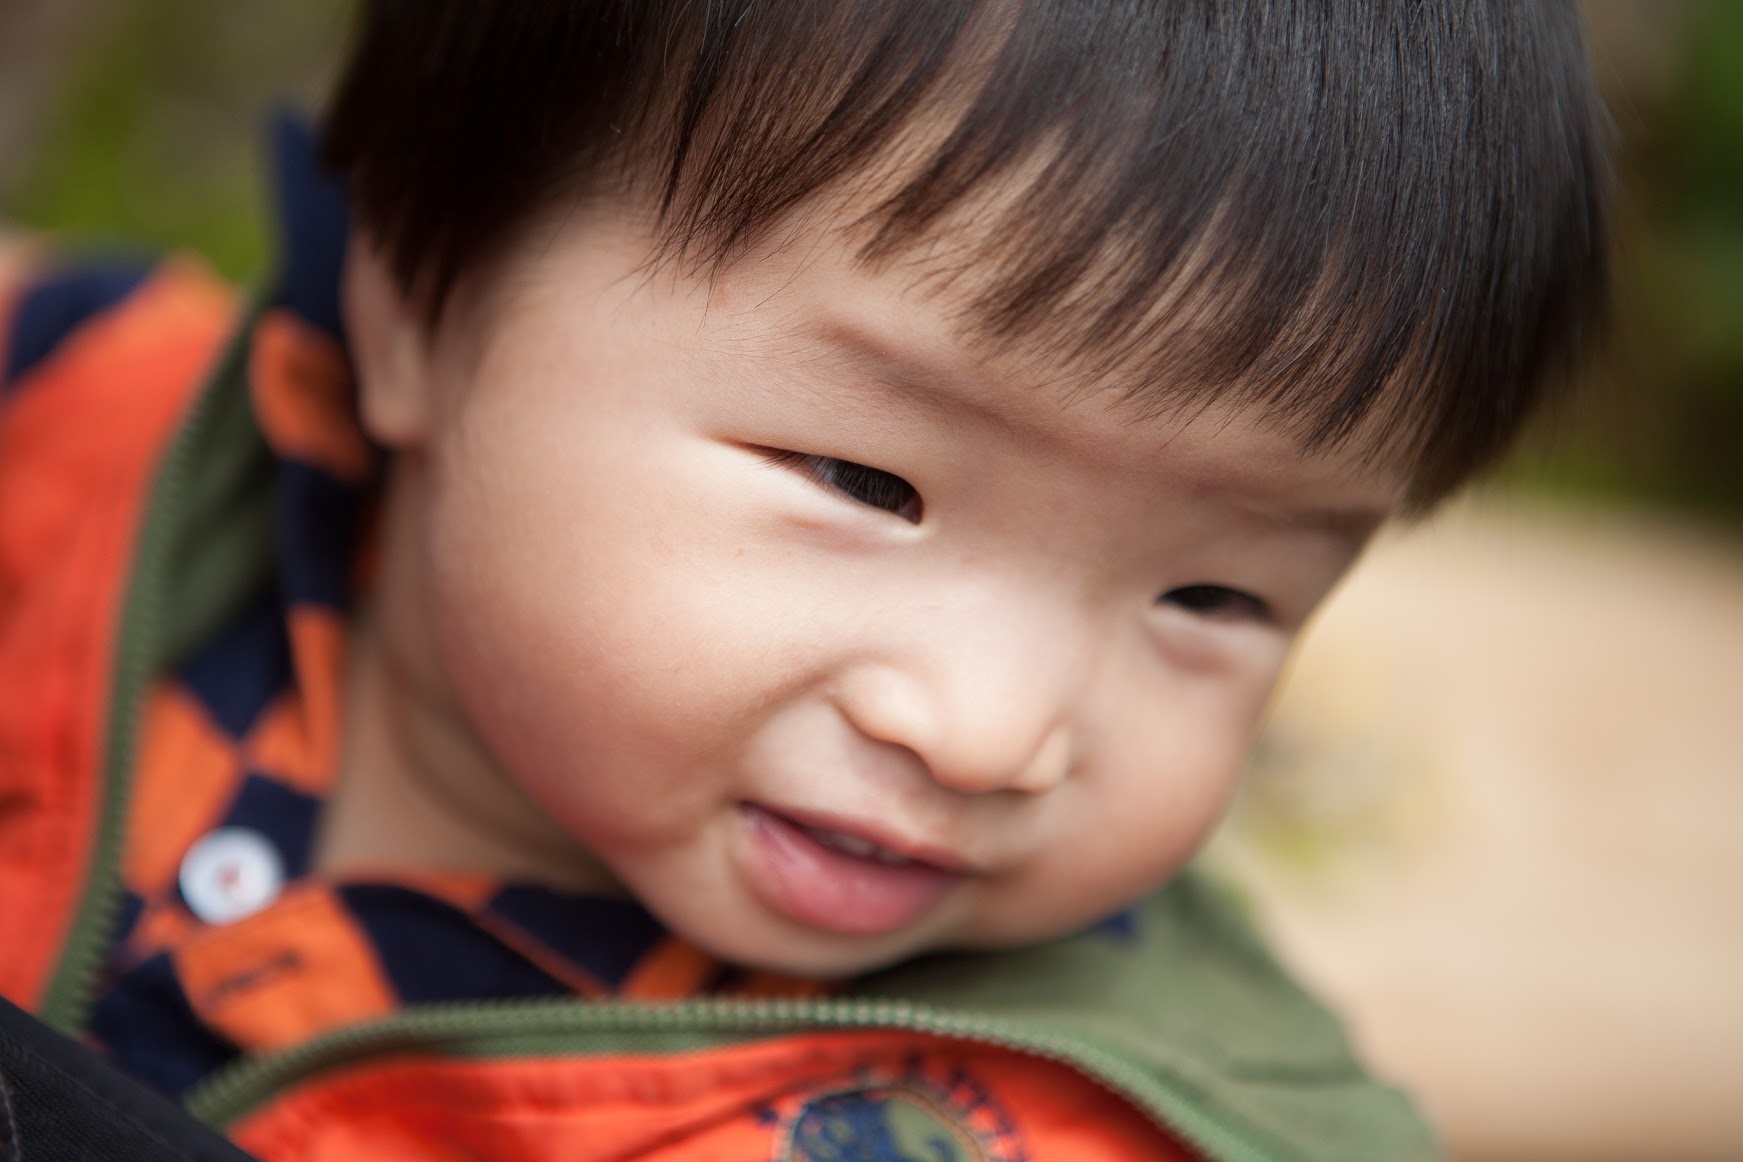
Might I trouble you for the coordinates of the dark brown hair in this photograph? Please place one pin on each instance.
(1374, 215)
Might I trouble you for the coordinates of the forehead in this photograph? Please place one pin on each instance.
(890, 344)
(1159, 322)
(907, 324)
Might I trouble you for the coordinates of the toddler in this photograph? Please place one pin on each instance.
(755, 559)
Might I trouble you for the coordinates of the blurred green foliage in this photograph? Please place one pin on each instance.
(1662, 418)
(151, 138)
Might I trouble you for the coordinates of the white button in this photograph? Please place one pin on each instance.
(231, 873)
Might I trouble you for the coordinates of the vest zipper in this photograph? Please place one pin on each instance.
(472, 1028)
(71, 992)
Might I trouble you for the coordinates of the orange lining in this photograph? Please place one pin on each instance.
(78, 443)
(746, 1102)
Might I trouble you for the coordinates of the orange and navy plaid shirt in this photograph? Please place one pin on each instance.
(227, 942)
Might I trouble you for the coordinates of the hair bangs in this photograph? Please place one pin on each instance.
(1378, 221)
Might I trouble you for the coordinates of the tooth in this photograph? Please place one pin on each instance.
(857, 846)
(848, 844)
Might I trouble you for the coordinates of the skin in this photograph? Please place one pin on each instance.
(626, 614)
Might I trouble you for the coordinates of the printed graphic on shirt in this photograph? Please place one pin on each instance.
(929, 1112)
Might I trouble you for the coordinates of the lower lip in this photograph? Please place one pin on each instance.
(823, 888)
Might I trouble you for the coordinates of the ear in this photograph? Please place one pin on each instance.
(390, 348)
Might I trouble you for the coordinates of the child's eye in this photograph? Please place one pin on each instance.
(1219, 602)
(869, 486)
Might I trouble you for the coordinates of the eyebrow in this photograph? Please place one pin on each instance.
(1352, 524)
(911, 377)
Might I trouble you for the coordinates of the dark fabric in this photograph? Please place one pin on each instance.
(606, 935)
(58, 305)
(148, 1029)
(60, 1103)
(242, 668)
(313, 221)
(433, 953)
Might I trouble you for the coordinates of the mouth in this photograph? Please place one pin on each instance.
(840, 878)
(857, 846)
(868, 840)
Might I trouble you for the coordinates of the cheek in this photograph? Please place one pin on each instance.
(568, 632)
(1157, 817)
(1173, 755)
(598, 620)
(1140, 813)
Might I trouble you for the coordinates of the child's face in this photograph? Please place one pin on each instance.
(817, 719)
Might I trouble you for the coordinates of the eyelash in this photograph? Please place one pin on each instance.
(1219, 603)
(872, 487)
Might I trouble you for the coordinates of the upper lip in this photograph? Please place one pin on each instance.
(889, 838)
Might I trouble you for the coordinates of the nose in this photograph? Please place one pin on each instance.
(987, 704)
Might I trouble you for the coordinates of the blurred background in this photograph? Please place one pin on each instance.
(1498, 814)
